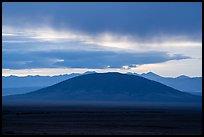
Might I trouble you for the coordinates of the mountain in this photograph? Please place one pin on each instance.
(14, 91)
(182, 83)
(12, 85)
(182, 77)
(37, 81)
(18, 85)
(104, 87)
(150, 75)
(34, 81)
(89, 72)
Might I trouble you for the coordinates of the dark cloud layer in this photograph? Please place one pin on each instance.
(85, 59)
(132, 18)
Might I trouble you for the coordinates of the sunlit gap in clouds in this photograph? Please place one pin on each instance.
(106, 39)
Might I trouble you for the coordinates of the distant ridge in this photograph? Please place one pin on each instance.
(183, 83)
(113, 86)
(182, 77)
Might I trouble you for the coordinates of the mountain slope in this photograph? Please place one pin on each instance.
(105, 87)
(14, 91)
(182, 83)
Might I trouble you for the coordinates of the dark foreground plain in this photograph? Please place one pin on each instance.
(83, 120)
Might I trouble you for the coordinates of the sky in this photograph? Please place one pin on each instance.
(65, 37)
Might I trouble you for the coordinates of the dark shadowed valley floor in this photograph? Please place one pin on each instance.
(101, 120)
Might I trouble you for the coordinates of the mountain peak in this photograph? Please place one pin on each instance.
(89, 72)
(182, 77)
(151, 74)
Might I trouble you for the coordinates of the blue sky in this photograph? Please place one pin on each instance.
(43, 38)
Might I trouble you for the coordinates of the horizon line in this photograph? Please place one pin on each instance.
(81, 73)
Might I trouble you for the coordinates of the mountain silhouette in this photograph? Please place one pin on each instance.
(182, 83)
(111, 86)
(18, 85)
(34, 81)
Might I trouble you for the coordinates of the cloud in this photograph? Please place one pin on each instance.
(7, 34)
(126, 18)
(170, 68)
(106, 40)
(109, 35)
(125, 67)
(47, 47)
(84, 59)
(189, 67)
